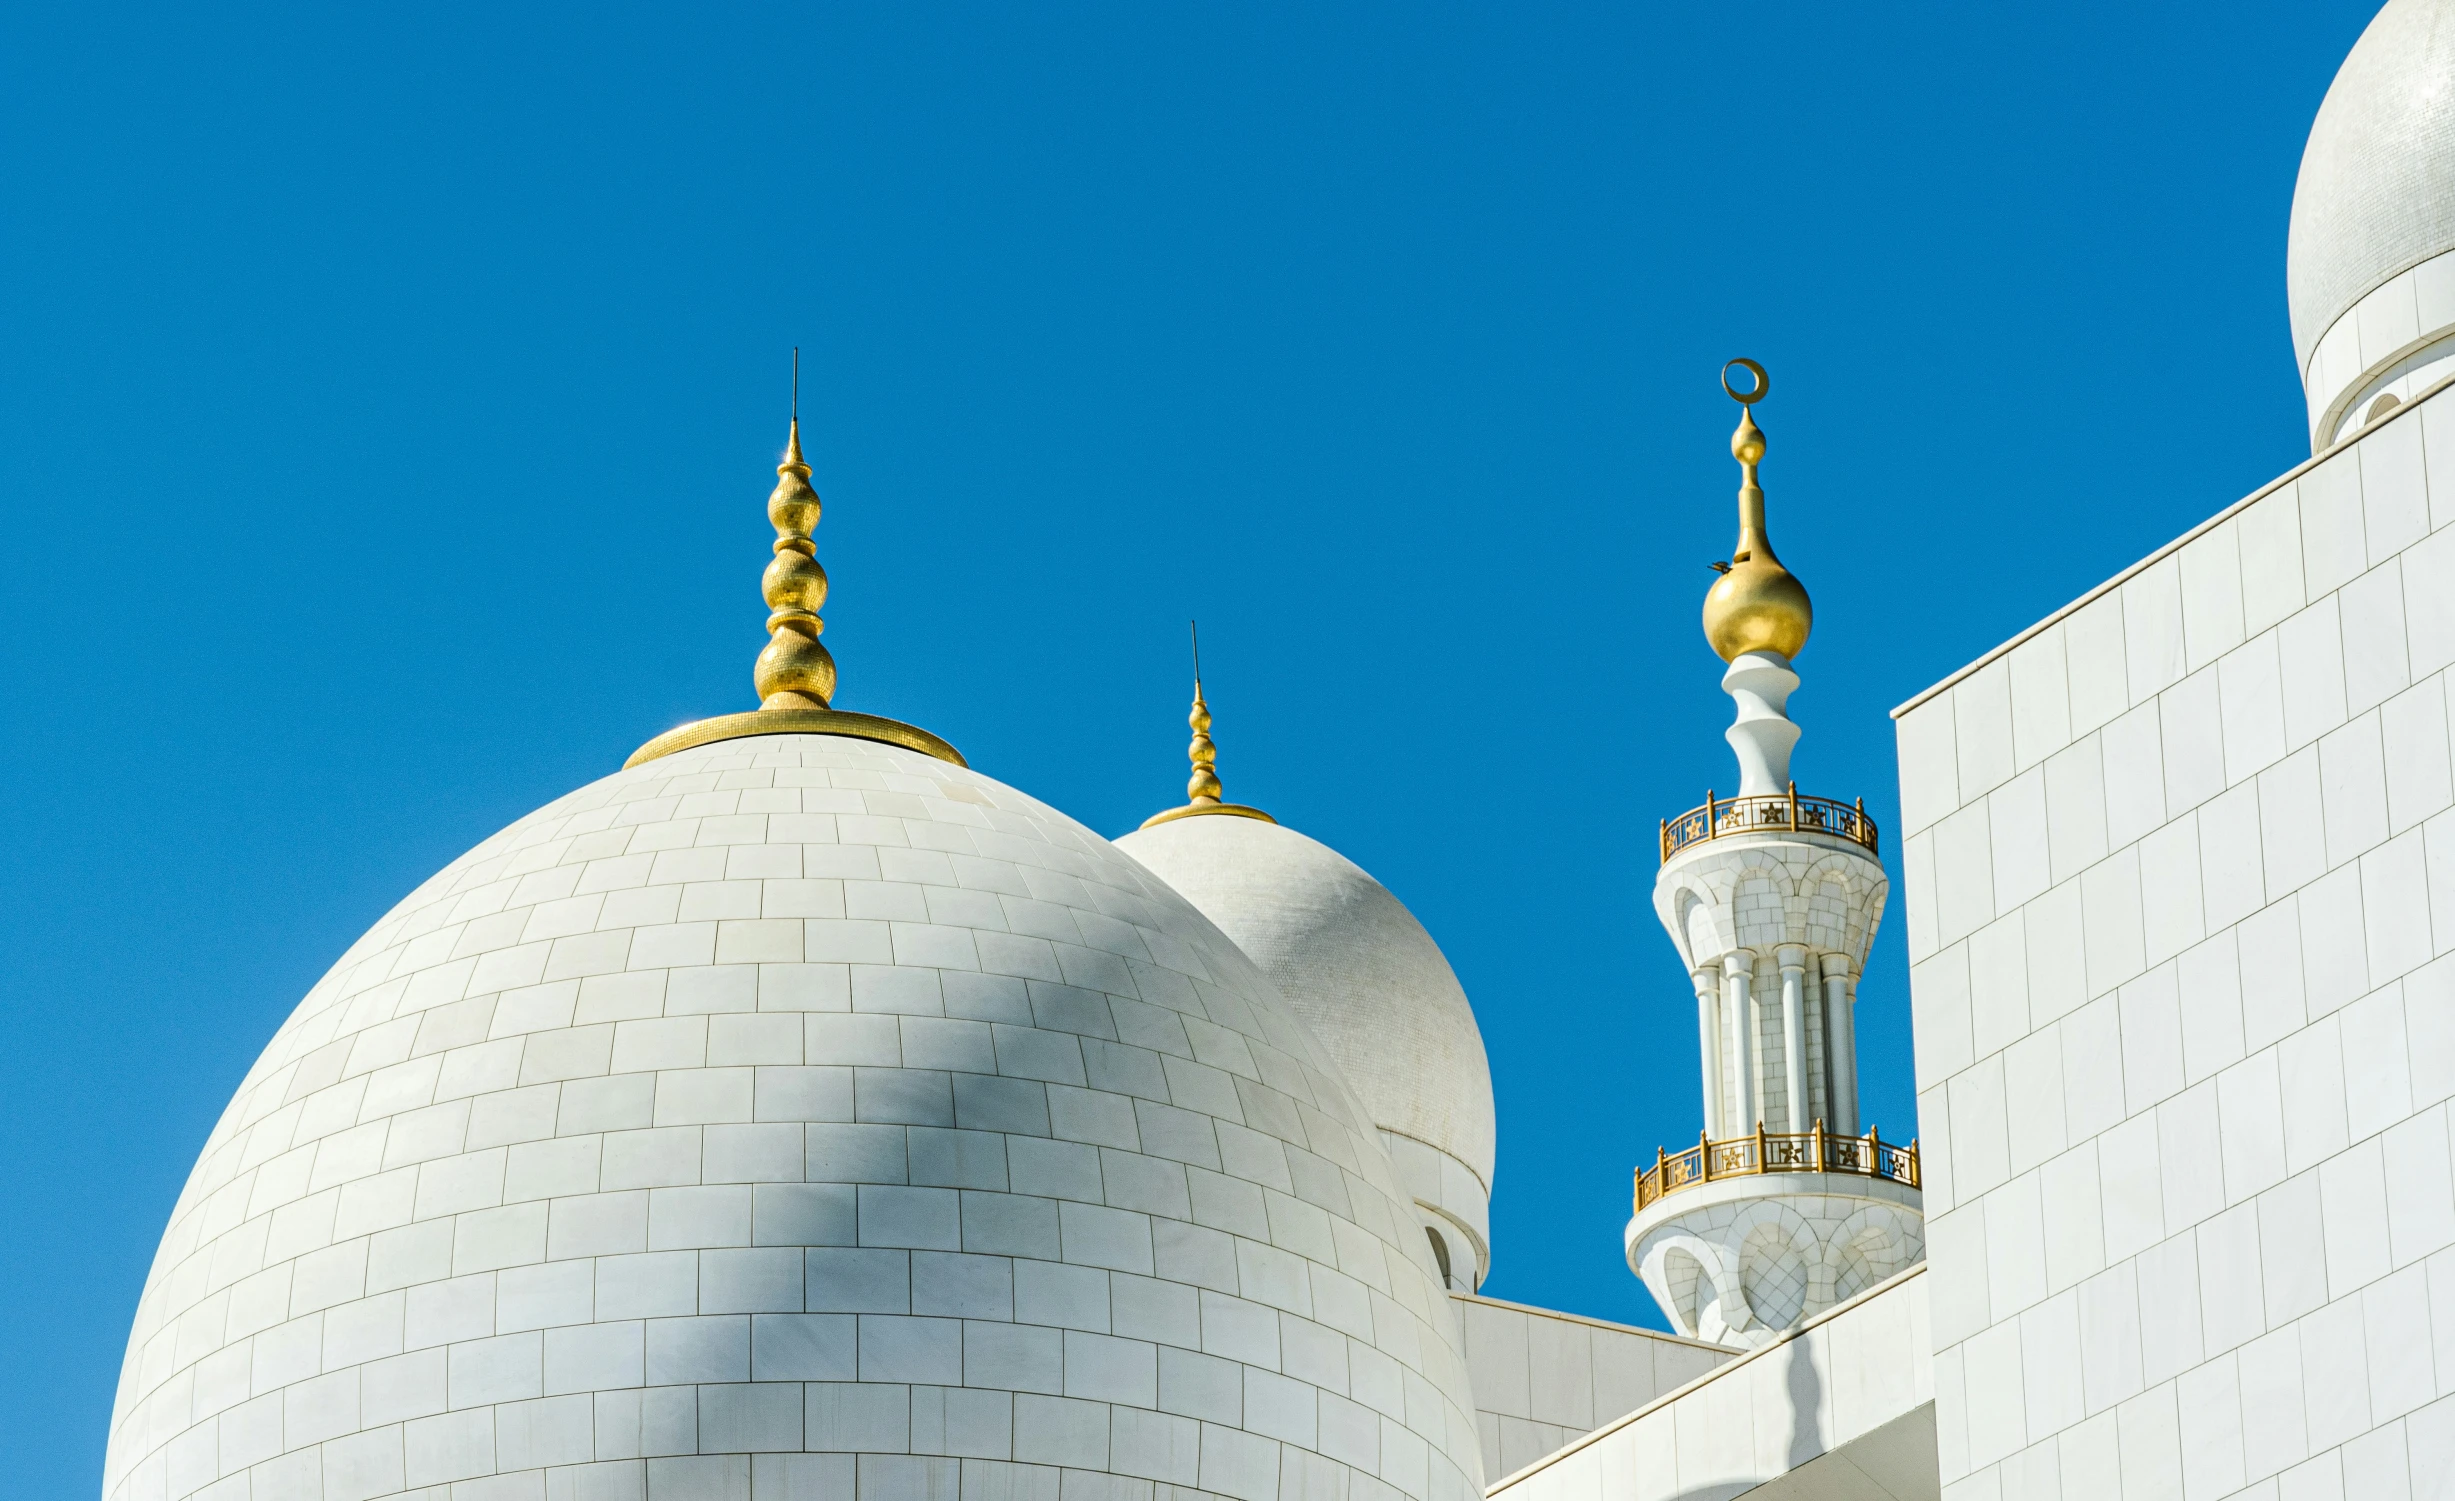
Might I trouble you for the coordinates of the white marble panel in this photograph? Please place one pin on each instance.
(2353, 789)
(1999, 985)
(1930, 764)
(1982, 730)
(2250, 693)
(1940, 1015)
(2112, 915)
(2153, 649)
(2333, 547)
(2056, 954)
(2394, 489)
(2310, 653)
(2375, 664)
(2395, 908)
(2191, 727)
(2270, 538)
(1964, 874)
(2134, 775)
(2292, 824)
(2429, 612)
(2041, 698)
(2173, 914)
(2212, 619)
(2093, 648)
(2232, 862)
(2075, 808)
(2250, 1116)
(2414, 738)
(2075, 1232)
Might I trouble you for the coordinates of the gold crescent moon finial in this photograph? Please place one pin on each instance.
(1757, 605)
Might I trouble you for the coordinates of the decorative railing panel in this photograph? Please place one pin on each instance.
(1785, 813)
(1816, 1151)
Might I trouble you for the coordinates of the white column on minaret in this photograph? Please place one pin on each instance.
(1760, 683)
(1842, 1038)
(1708, 980)
(1737, 968)
(1793, 959)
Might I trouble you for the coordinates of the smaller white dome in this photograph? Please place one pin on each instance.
(2367, 272)
(1363, 974)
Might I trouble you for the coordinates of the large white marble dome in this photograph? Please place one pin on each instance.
(1374, 988)
(794, 1116)
(2371, 288)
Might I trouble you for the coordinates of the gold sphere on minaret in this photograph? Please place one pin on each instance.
(1757, 605)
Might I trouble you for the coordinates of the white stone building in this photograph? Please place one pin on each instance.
(798, 1113)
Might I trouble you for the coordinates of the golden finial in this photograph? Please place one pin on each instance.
(794, 671)
(1757, 605)
(795, 676)
(1202, 789)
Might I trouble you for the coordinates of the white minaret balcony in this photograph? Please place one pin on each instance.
(1785, 1205)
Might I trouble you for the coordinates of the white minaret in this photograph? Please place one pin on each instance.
(1783, 1206)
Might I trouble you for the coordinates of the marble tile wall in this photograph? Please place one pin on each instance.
(2181, 915)
(1543, 1378)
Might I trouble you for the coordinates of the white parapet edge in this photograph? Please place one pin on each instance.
(1869, 1295)
(2175, 546)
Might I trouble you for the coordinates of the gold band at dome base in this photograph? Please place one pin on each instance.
(1193, 810)
(795, 722)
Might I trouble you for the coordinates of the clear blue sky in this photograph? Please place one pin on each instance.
(388, 397)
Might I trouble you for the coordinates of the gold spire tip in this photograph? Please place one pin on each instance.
(1202, 791)
(1756, 605)
(794, 675)
(794, 671)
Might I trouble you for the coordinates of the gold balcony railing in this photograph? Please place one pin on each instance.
(1816, 1151)
(1783, 812)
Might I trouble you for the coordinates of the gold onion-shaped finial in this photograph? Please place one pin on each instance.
(794, 671)
(795, 676)
(1757, 605)
(1202, 788)
(1202, 793)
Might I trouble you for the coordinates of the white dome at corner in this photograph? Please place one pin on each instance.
(1364, 975)
(2373, 209)
(784, 1117)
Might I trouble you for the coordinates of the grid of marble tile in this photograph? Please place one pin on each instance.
(793, 1117)
(1544, 1378)
(2181, 877)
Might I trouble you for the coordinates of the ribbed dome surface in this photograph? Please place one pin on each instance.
(2377, 188)
(1352, 961)
(793, 1117)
